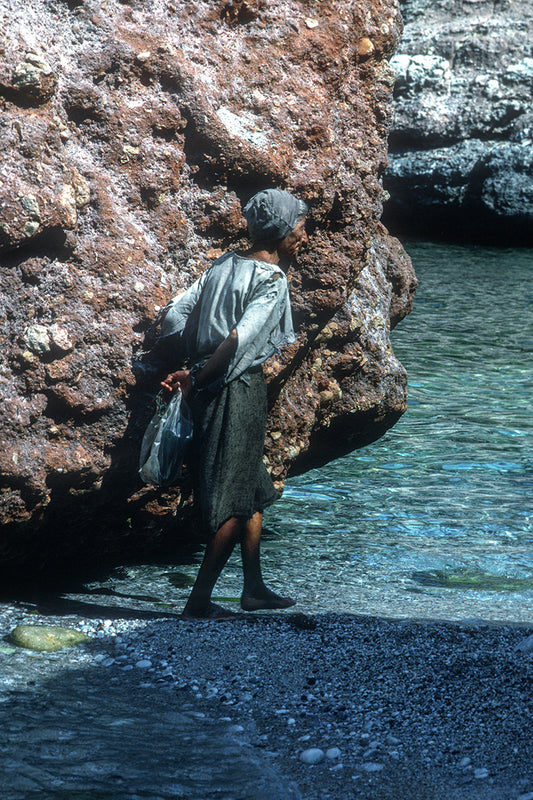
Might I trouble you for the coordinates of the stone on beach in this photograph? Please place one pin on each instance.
(46, 637)
(526, 645)
(312, 756)
(144, 663)
(481, 773)
(373, 766)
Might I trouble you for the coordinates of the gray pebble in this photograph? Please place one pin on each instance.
(526, 645)
(333, 753)
(373, 766)
(143, 664)
(312, 756)
(481, 773)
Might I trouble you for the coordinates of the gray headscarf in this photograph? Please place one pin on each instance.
(273, 214)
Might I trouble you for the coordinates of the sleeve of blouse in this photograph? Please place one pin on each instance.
(180, 307)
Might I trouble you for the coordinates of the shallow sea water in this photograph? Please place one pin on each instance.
(435, 519)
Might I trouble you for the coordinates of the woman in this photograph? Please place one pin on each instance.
(230, 321)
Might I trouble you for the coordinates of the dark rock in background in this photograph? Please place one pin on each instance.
(132, 135)
(461, 156)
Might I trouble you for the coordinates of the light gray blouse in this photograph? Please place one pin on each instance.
(233, 293)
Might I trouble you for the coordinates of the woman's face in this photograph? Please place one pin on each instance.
(290, 245)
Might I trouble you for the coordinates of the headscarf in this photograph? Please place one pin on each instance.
(273, 214)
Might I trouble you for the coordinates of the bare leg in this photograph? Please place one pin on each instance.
(217, 552)
(251, 558)
(255, 593)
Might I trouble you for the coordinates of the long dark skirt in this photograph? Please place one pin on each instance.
(230, 479)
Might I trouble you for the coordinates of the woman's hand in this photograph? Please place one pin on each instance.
(179, 381)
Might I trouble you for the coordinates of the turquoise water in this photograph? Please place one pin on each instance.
(435, 519)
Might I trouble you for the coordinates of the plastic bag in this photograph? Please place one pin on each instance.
(166, 442)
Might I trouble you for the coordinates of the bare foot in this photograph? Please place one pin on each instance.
(212, 611)
(265, 598)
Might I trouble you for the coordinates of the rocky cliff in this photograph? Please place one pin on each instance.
(132, 134)
(461, 159)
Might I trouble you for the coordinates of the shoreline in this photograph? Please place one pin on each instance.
(376, 702)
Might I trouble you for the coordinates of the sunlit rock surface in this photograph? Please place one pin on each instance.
(461, 160)
(46, 637)
(133, 133)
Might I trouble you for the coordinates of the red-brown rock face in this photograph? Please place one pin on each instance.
(132, 135)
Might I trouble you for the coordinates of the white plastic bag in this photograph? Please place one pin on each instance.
(166, 441)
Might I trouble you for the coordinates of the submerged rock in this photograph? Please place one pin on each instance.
(46, 637)
(118, 192)
(461, 141)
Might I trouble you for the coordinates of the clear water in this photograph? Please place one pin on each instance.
(435, 519)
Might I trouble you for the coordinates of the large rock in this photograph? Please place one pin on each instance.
(130, 147)
(461, 142)
(46, 638)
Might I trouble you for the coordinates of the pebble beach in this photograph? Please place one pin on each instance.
(266, 705)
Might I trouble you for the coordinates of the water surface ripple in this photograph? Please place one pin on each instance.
(435, 519)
